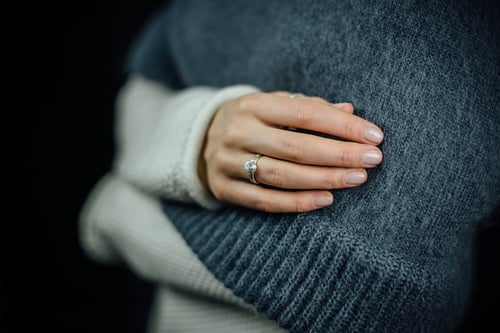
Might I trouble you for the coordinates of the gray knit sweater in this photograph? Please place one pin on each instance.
(391, 256)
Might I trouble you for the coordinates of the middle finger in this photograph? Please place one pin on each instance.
(310, 149)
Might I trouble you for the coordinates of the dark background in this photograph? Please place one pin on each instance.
(81, 46)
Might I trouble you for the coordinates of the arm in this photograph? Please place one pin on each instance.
(120, 223)
(160, 124)
(392, 254)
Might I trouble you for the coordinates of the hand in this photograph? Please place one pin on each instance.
(296, 169)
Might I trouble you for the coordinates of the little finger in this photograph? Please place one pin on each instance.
(274, 201)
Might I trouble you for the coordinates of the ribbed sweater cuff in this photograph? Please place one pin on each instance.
(313, 278)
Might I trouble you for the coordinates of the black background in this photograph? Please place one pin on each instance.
(80, 47)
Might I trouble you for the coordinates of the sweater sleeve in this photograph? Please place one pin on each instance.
(160, 133)
(150, 54)
(120, 223)
(161, 123)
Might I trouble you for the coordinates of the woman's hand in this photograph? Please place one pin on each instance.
(296, 169)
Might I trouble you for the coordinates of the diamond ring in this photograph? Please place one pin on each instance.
(251, 167)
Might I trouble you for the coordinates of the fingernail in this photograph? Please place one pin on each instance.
(372, 157)
(354, 178)
(323, 201)
(373, 134)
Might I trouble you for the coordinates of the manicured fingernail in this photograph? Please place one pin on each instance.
(323, 201)
(354, 178)
(373, 134)
(372, 157)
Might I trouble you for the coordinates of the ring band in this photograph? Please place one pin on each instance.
(295, 95)
(251, 167)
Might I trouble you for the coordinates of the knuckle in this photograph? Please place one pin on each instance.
(305, 112)
(217, 169)
(232, 135)
(345, 157)
(295, 204)
(298, 206)
(263, 205)
(292, 147)
(208, 155)
(277, 177)
(302, 203)
(246, 102)
(327, 181)
(217, 160)
(218, 195)
(211, 158)
(218, 190)
(348, 127)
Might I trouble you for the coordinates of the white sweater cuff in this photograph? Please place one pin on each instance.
(161, 134)
(195, 143)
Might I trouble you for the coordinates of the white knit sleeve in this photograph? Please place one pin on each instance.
(160, 133)
(120, 223)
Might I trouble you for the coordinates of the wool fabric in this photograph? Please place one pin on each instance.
(394, 255)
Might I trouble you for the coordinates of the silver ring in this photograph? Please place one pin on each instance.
(295, 95)
(251, 167)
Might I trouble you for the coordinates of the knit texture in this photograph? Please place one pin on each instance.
(120, 223)
(160, 133)
(176, 310)
(395, 254)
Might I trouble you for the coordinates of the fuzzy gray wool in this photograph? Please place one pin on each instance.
(394, 255)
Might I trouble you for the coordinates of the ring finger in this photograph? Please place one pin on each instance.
(289, 175)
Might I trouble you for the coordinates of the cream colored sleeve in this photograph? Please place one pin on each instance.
(120, 223)
(159, 134)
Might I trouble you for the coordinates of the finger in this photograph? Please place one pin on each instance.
(274, 201)
(345, 107)
(301, 96)
(310, 149)
(288, 175)
(319, 117)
